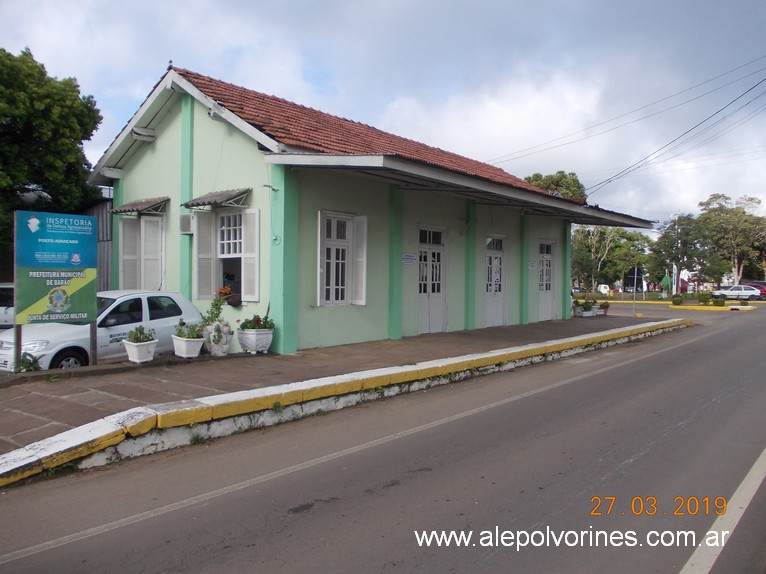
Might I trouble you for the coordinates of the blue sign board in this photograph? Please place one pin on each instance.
(56, 261)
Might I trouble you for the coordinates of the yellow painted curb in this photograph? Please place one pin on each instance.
(727, 307)
(290, 397)
(376, 381)
(244, 406)
(182, 413)
(318, 392)
(21, 473)
(96, 445)
(347, 387)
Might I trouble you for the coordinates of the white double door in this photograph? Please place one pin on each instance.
(495, 295)
(545, 301)
(432, 302)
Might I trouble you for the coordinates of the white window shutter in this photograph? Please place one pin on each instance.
(204, 240)
(250, 242)
(359, 294)
(152, 276)
(129, 252)
(320, 257)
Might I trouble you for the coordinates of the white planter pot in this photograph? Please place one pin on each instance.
(187, 348)
(589, 313)
(255, 341)
(140, 352)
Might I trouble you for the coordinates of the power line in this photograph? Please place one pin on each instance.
(645, 159)
(532, 150)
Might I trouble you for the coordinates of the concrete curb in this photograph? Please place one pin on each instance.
(727, 307)
(750, 306)
(150, 429)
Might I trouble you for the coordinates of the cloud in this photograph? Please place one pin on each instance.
(486, 80)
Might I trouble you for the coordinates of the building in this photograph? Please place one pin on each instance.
(343, 232)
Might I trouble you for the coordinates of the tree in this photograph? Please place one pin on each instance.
(604, 254)
(562, 183)
(733, 230)
(631, 248)
(43, 122)
(678, 245)
(591, 246)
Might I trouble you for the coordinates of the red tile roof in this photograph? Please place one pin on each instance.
(311, 130)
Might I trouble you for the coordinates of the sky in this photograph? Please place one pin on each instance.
(654, 104)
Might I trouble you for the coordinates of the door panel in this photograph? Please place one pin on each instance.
(546, 282)
(495, 283)
(431, 290)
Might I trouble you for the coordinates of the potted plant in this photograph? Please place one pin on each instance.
(255, 335)
(604, 307)
(140, 344)
(216, 331)
(577, 308)
(188, 339)
(587, 308)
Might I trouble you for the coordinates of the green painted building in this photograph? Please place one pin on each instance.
(343, 232)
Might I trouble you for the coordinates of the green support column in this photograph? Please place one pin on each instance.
(523, 272)
(187, 191)
(566, 294)
(283, 272)
(470, 265)
(395, 269)
(118, 195)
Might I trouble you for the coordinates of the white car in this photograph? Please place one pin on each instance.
(64, 345)
(6, 306)
(737, 292)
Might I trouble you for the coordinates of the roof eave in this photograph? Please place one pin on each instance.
(414, 175)
(149, 116)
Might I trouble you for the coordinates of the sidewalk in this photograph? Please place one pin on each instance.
(32, 411)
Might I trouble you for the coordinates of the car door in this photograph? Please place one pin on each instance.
(124, 315)
(164, 314)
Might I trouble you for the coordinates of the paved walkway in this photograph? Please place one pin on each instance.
(45, 404)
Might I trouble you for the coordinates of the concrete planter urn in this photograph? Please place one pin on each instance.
(255, 341)
(218, 336)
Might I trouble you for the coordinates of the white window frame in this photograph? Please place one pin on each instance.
(142, 252)
(354, 292)
(212, 245)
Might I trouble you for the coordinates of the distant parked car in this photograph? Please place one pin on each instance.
(742, 292)
(6, 306)
(578, 290)
(603, 289)
(64, 345)
(761, 286)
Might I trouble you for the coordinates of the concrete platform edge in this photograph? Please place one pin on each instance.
(135, 432)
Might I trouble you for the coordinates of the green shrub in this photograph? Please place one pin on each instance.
(703, 298)
(719, 302)
(677, 300)
(189, 330)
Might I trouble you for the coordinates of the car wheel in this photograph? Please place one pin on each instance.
(752, 298)
(69, 358)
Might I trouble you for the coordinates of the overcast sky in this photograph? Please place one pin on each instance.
(666, 89)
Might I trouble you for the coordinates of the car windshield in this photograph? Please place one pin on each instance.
(102, 303)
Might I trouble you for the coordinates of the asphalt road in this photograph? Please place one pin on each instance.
(663, 427)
